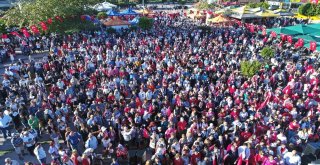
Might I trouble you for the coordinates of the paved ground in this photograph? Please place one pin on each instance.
(5, 145)
(7, 150)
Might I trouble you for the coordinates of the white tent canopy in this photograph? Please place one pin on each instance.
(104, 6)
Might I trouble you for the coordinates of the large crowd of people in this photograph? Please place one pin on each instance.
(175, 91)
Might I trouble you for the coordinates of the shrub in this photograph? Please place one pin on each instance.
(145, 23)
(249, 68)
(267, 53)
(102, 15)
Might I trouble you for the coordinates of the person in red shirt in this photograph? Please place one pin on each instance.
(182, 124)
(195, 157)
(177, 160)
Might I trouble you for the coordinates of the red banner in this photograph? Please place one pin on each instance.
(313, 46)
(289, 39)
(43, 26)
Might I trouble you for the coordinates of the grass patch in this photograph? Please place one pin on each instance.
(3, 152)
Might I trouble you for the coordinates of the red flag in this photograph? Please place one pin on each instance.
(215, 161)
(251, 28)
(25, 32)
(83, 17)
(313, 46)
(49, 21)
(273, 34)
(314, 1)
(239, 160)
(300, 42)
(283, 37)
(43, 26)
(34, 29)
(263, 104)
(145, 133)
(4, 36)
(15, 34)
(264, 32)
(59, 18)
(289, 39)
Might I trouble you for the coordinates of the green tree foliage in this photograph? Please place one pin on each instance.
(102, 15)
(203, 5)
(145, 23)
(309, 9)
(33, 11)
(250, 68)
(267, 53)
(263, 5)
(182, 2)
(2, 26)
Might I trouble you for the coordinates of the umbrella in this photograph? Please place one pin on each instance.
(129, 11)
(218, 19)
(302, 29)
(113, 13)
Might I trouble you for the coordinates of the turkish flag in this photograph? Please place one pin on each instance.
(314, 1)
(34, 29)
(25, 32)
(313, 45)
(59, 18)
(300, 42)
(264, 32)
(4, 36)
(240, 160)
(15, 34)
(49, 21)
(251, 28)
(289, 39)
(283, 37)
(43, 26)
(273, 34)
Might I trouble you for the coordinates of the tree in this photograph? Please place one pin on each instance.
(203, 5)
(145, 23)
(33, 11)
(308, 9)
(267, 53)
(102, 15)
(263, 5)
(2, 26)
(182, 2)
(249, 68)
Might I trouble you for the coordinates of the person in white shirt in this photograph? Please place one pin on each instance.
(92, 142)
(5, 121)
(244, 151)
(142, 95)
(9, 161)
(127, 134)
(29, 141)
(292, 158)
(40, 153)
